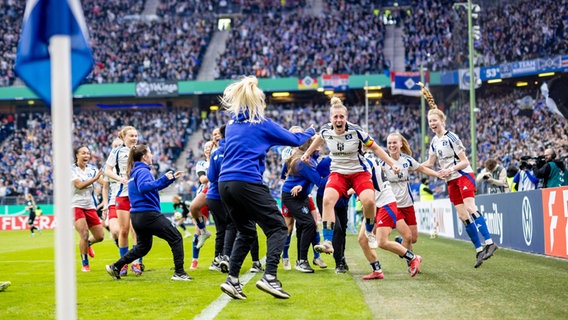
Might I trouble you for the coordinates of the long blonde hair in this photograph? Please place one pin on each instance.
(245, 96)
(430, 99)
(405, 146)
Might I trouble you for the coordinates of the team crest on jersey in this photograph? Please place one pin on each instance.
(305, 210)
(348, 136)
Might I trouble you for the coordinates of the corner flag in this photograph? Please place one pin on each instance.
(53, 58)
(44, 19)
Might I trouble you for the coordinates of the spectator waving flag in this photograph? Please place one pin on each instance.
(405, 83)
(44, 19)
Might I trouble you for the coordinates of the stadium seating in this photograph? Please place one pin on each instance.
(25, 155)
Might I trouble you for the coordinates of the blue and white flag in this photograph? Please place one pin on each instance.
(405, 83)
(44, 19)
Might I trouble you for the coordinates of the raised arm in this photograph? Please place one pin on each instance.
(316, 144)
(83, 184)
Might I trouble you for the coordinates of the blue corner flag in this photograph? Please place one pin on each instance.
(42, 20)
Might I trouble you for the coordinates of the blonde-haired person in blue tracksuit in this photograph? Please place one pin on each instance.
(248, 136)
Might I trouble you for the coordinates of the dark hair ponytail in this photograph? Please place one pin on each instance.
(136, 153)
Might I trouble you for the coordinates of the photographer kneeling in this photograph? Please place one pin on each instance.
(551, 170)
(493, 178)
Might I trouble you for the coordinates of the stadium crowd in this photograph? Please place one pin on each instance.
(349, 39)
(435, 33)
(25, 155)
(271, 39)
(127, 48)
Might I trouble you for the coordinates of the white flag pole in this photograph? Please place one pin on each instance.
(61, 116)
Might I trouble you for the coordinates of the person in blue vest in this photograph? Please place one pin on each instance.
(248, 136)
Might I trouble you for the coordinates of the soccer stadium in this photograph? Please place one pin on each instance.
(208, 125)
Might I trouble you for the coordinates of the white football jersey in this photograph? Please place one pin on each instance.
(383, 190)
(286, 153)
(83, 198)
(346, 149)
(446, 150)
(201, 166)
(118, 159)
(113, 187)
(400, 182)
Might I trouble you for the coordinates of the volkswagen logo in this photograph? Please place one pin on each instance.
(527, 220)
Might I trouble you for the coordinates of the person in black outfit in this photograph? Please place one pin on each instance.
(183, 207)
(30, 206)
(147, 220)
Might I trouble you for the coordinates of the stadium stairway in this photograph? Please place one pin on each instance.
(394, 47)
(151, 7)
(214, 50)
(192, 144)
(315, 7)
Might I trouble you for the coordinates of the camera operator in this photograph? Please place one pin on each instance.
(524, 179)
(551, 170)
(493, 177)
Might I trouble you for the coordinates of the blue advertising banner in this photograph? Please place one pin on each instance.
(489, 73)
(514, 220)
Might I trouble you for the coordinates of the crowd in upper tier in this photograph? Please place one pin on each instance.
(270, 39)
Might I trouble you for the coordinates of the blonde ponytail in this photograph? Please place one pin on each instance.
(430, 99)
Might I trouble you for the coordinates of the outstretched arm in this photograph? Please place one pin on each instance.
(382, 154)
(316, 144)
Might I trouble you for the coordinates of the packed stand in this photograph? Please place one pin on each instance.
(127, 47)
(26, 162)
(131, 50)
(436, 34)
(11, 13)
(296, 44)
